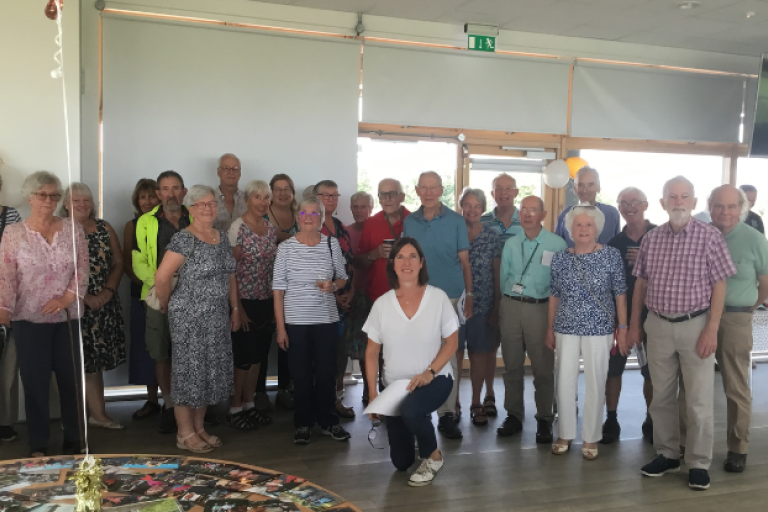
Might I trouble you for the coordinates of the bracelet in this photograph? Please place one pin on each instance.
(470, 294)
(234, 308)
(622, 326)
(335, 288)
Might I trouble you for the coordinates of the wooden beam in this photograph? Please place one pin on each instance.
(655, 146)
(478, 150)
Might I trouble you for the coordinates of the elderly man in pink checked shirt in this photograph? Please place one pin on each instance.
(681, 270)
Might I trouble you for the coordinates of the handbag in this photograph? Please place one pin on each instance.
(151, 299)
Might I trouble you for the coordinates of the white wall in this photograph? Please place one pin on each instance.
(31, 102)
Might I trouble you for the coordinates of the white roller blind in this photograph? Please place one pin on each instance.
(459, 90)
(178, 97)
(621, 102)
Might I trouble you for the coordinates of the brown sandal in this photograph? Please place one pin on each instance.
(479, 418)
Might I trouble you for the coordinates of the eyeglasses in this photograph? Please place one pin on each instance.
(430, 188)
(211, 205)
(329, 196)
(44, 197)
(309, 214)
(529, 211)
(385, 196)
(281, 190)
(504, 189)
(228, 169)
(627, 204)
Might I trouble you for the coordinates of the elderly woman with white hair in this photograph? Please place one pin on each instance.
(203, 310)
(102, 321)
(588, 293)
(309, 269)
(254, 245)
(479, 335)
(43, 279)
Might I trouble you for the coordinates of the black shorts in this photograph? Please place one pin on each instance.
(618, 362)
(245, 345)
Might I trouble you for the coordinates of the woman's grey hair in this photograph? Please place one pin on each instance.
(362, 194)
(308, 192)
(326, 184)
(592, 211)
(743, 201)
(308, 200)
(479, 195)
(77, 189)
(259, 187)
(677, 179)
(197, 192)
(636, 190)
(38, 180)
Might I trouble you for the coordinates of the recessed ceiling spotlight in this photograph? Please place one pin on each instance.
(687, 6)
(751, 14)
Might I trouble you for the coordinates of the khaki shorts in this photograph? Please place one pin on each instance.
(158, 335)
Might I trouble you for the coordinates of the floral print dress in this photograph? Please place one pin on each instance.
(103, 331)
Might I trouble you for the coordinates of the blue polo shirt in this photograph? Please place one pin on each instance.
(505, 233)
(441, 239)
(610, 229)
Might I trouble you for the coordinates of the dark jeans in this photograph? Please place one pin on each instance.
(312, 360)
(283, 373)
(415, 420)
(42, 349)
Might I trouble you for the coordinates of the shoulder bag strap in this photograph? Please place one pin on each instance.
(330, 250)
(3, 220)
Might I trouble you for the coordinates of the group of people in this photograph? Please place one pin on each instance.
(216, 273)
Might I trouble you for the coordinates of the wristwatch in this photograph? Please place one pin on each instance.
(470, 294)
(433, 372)
(335, 288)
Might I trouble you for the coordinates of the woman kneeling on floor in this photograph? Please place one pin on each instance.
(418, 328)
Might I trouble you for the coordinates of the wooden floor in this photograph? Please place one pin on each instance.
(482, 471)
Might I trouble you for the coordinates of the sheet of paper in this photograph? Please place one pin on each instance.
(387, 403)
(546, 258)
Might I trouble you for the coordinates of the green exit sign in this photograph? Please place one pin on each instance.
(481, 43)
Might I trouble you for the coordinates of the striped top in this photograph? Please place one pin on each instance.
(11, 215)
(298, 267)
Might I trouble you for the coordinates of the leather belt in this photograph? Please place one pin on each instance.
(683, 318)
(738, 309)
(527, 300)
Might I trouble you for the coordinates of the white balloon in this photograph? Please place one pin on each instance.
(556, 174)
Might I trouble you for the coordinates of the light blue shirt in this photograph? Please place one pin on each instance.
(441, 239)
(610, 229)
(517, 252)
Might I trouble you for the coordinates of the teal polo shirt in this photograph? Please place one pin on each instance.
(505, 233)
(441, 239)
(517, 252)
(749, 252)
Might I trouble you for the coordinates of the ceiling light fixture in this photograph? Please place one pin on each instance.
(687, 6)
(751, 14)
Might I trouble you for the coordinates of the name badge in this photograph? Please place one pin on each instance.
(518, 289)
(546, 258)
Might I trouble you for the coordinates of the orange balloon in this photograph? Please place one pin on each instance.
(575, 163)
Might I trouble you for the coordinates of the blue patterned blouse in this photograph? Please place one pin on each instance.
(482, 251)
(578, 313)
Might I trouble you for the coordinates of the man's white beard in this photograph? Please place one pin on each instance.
(679, 218)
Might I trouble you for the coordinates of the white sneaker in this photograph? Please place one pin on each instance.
(426, 472)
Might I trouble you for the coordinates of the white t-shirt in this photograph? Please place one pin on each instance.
(410, 346)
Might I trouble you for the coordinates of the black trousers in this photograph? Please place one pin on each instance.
(41, 350)
(312, 359)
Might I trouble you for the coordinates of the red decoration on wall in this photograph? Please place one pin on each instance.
(51, 12)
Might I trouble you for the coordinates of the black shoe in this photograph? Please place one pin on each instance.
(648, 428)
(611, 431)
(661, 466)
(512, 426)
(72, 448)
(302, 435)
(735, 462)
(336, 432)
(543, 432)
(7, 433)
(447, 426)
(168, 421)
(698, 479)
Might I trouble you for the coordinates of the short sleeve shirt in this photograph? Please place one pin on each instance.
(681, 268)
(505, 233)
(257, 260)
(755, 221)
(345, 242)
(586, 285)
(536, 278)
(482, 251)
(441, 239)
(749, 251)
(375, 231)
(623, 243)
(410, 345)
(224, 219)
(610, 228)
